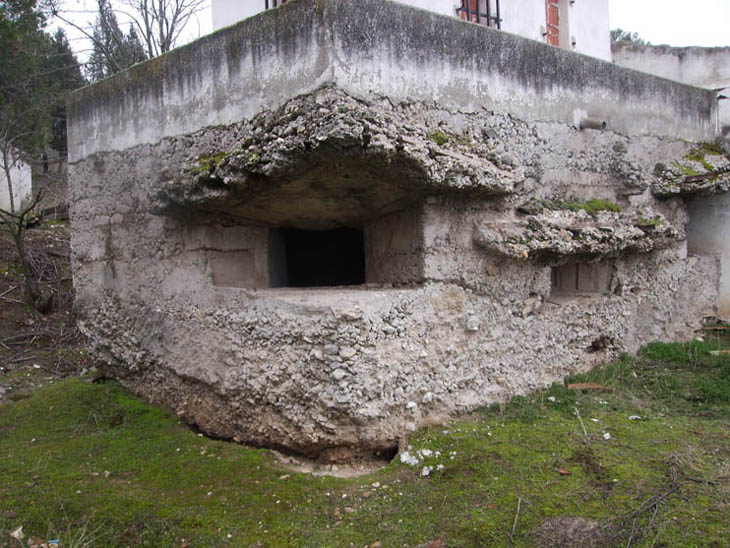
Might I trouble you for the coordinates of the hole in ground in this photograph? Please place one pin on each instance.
(343, 461)
(357, 463)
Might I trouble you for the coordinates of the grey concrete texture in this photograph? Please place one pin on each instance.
(373, 48)
(694, 175)
(172, 265)
(698, 66)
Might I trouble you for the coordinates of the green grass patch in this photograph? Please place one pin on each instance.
(698, 156)
(88, 463)
(644, 221)
(592, 207)
(687, 171)
(713, 149)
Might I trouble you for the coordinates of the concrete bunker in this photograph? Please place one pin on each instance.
(453, 207)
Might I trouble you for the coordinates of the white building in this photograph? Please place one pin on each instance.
(579, 25)
(20, 177)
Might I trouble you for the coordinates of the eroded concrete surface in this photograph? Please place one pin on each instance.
(466, 221)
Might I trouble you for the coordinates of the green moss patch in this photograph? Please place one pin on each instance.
(592, 207)
(698, 154)
(208, 162)
(699, 157)
(438, 137)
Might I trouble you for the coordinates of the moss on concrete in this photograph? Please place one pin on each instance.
(592, 207)
(439, 137)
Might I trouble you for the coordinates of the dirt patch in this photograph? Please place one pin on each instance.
(352, 469)
(568, 531)
(592, 467)
(37, 349)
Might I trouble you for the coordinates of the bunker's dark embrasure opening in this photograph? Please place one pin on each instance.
(316, 258)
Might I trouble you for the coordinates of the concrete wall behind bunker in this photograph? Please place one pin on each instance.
(707, 68)
(707, 234)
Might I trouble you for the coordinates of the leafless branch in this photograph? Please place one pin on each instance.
(160, 22)
(60, 13)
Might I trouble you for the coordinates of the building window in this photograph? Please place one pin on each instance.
(316, 258)
(552, 22)
(273, 3)
(483, 12)
(581, 278)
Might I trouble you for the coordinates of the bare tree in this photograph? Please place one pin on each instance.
(160, 22)
(111, 51)
(36, 70)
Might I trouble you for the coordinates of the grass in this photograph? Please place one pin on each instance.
(592, 207)
(698, 154)
(91, 465)
(699, 157)
(644, 221)
(687, 171)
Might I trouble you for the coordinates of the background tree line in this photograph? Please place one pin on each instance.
(38, 69)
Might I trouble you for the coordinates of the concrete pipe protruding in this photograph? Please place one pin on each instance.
(593, 123)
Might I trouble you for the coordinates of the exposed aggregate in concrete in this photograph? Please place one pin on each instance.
(337, 372)
(553, 235)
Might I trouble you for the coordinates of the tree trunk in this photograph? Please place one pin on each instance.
(31, 289)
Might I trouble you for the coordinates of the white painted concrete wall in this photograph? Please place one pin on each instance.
(707, 234)
(22, 188)
(444, 7)
(525, 18)
(588, 24)
(702, 67)
(584, 24)
(227, 12)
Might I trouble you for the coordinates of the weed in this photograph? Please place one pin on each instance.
(643, 221)
(438, 137)
(677, 353)
(713, 149)
(686, 170)
(592, 207)
(698, 154)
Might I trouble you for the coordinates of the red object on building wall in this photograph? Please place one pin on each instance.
(552, 22)
(472, 15)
